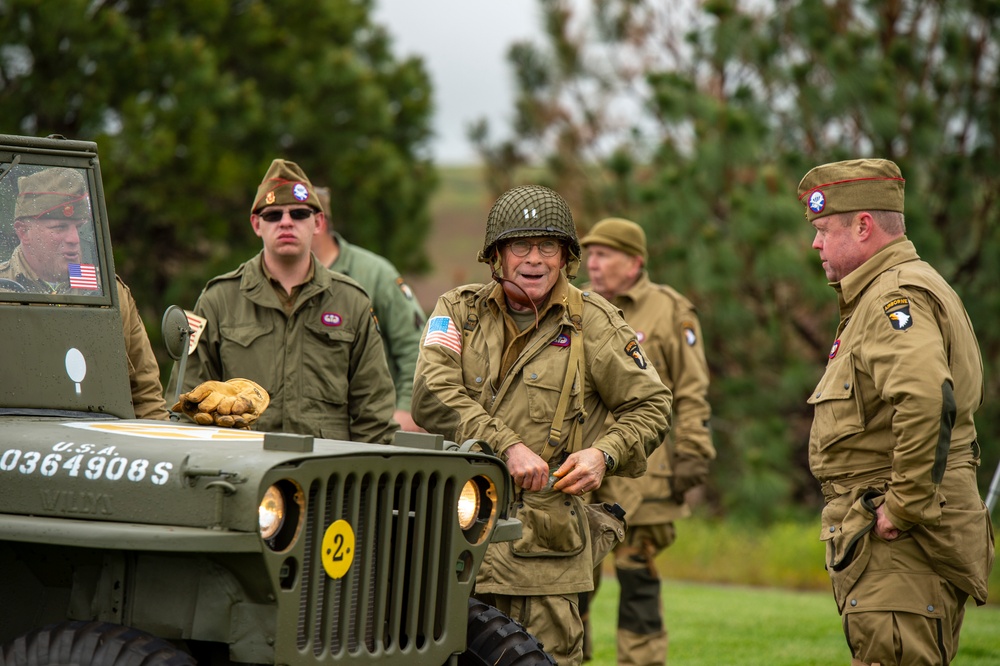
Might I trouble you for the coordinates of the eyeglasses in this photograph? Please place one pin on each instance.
(521, 248)
(295, 214)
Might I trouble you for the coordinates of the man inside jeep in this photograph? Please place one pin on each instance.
(52, 215)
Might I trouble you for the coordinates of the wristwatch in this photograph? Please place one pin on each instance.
(609, 462)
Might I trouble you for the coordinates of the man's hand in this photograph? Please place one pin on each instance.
(406, 422)
(236, 403)
(884, 528)
(688, 472)
(582, 472)
(530, 472)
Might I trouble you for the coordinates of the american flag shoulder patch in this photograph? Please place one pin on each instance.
(83, 276)
(442, 331)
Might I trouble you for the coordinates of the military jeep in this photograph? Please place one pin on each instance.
(128, 541)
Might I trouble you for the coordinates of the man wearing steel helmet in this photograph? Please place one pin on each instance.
(533, 366)
(303, 333)
(893, 439)
(667, 326)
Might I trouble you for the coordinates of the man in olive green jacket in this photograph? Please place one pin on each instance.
(533, 366)
(893, 440)
(302, 332)
(399, 315)
(666, 325)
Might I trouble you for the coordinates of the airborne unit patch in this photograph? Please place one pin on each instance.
(635, 351)
(898, 312)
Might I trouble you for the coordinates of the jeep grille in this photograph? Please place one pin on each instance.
(395, 596)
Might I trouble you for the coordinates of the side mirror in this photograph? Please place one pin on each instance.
(176, 338)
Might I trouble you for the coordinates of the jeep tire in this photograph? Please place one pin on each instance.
(91, 644)
(495, 639)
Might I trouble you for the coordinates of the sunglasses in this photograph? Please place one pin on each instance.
(295, 214)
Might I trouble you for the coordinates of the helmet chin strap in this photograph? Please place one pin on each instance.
(510, 288)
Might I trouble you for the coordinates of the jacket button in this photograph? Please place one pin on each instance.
(534, 376)
(819, 394)
(847, 385)
(854, 602)
(832, 528)
(930, 608)
(479, 380)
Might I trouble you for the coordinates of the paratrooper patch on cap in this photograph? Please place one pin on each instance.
(817, 201)
(269, 199)
(300, 192)
(635, 351)
(898, 312)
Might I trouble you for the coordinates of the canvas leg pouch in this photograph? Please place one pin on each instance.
(554, 524)
(607, 529)
(848, 548)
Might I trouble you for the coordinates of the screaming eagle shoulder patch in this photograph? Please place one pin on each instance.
(635, 351)
(898, 312)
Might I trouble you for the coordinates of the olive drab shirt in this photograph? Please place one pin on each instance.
(667, 326)
(894, 411)
(323, 365)
(400, 317)
(458, 392)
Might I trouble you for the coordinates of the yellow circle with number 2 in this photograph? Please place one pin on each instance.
(338, 549)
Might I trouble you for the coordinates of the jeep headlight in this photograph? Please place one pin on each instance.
(477, 508)
(280, 514)
(271, 512)
(468, 505)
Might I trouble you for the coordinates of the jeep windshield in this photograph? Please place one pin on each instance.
(48, 242)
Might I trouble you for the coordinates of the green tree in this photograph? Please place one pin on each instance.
(725, 108)
(189, 102)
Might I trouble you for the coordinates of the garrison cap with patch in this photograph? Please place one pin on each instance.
(852, 185)
(285, 183)
(620, 234)
(58, 193)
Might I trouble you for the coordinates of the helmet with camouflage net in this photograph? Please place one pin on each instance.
(531, 210)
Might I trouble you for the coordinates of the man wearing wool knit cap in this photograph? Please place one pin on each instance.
(893, 440)
(303, 333)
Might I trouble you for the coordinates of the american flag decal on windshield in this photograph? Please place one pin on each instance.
(83, 276)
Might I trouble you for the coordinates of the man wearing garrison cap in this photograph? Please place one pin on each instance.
(666, 325)
(893, 440)
(303, 333)
(51, 209)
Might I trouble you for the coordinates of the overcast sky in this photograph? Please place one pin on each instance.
(464, 45)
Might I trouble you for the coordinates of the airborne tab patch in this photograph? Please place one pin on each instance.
(898, 312)
(635, 351)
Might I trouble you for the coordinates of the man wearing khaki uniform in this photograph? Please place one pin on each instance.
(533, 366)
(667, 327)
(893, 440)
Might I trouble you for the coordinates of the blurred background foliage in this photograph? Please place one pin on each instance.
(190, 100)
(696, 119)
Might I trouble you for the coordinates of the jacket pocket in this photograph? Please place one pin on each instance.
(543, 381)
(249, 350)
(838, 412)
(848, 544)
(553, 524)
(326, 362)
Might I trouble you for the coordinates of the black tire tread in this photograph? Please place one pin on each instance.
(99, 643)
(495, 639)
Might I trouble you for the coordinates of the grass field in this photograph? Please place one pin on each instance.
(732, 625)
